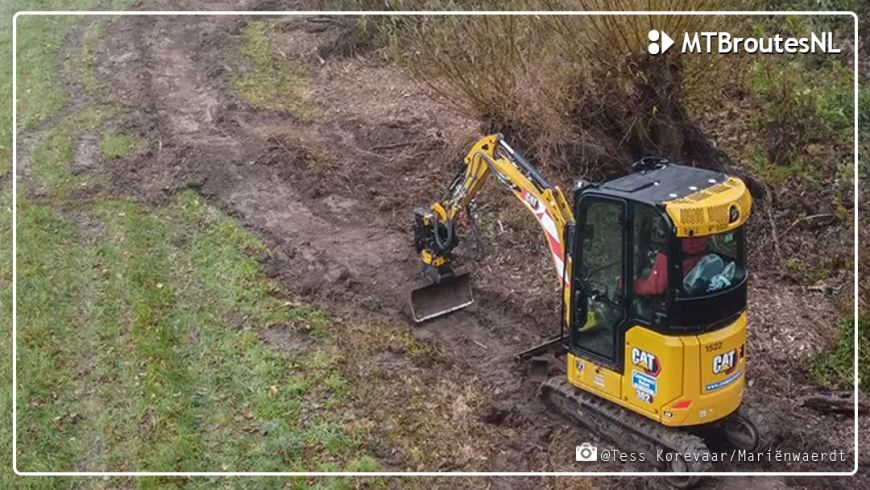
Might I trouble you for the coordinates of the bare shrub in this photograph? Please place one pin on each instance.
(579, 92)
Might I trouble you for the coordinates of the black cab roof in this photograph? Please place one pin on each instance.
(663, 183)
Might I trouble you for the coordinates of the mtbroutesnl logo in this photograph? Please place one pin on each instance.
(659, 42)
(726, 43)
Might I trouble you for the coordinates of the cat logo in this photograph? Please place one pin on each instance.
(646, 361)
(725, 363)
(531, 200)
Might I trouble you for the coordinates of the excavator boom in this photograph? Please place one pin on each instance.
(443, 288)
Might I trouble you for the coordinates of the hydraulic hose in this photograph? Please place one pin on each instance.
(445, 244)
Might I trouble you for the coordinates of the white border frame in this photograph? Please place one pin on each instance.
(410, 473)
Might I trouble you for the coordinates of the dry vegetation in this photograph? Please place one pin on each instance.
(579, 93)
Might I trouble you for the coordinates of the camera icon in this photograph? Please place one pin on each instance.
(586, 452)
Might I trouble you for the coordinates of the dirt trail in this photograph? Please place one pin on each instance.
(331, 196)
(324, 221)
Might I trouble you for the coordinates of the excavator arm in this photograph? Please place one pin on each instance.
(444, 287)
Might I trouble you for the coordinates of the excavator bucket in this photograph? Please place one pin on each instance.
(430, 299)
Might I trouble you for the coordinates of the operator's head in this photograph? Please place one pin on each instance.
(695, 245)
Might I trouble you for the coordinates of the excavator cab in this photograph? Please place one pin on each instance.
(662, 248)
(655, 306)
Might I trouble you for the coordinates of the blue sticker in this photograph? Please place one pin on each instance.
(643, 382)
(725, 382)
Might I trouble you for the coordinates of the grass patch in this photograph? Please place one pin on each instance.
(40, 93)
(40, 96)
(800, 105)
(835, 368)
(81, 66)
(799, 169)
(138, 327)
(268, 80)
(864, 130)
(114, 145)
(806, 272)
(52, 157)
(139, 351)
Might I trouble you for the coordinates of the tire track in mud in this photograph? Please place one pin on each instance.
(76, 101)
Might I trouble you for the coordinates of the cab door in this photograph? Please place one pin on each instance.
(598, 300)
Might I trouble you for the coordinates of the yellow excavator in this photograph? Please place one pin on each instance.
(652, 271)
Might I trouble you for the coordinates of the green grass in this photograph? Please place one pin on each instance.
(864, 109)
(114, 145)
(835, 368)
(81, 66)
(39, 97)
(52, 157)
(864, 129)
(138, 328)
(801, 104)
(40, 93)
(267, 80)
(799, 169)
(806, 272)
(138, 348)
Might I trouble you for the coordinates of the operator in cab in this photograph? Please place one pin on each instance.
(705, 269)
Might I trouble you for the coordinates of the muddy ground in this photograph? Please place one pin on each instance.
(331, 194)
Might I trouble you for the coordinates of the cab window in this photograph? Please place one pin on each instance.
(649, 264)
(599, 276)
(712, 264)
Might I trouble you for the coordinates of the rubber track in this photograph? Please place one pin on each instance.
(630, 431)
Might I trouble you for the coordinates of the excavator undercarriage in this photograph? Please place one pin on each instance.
(663, 447)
